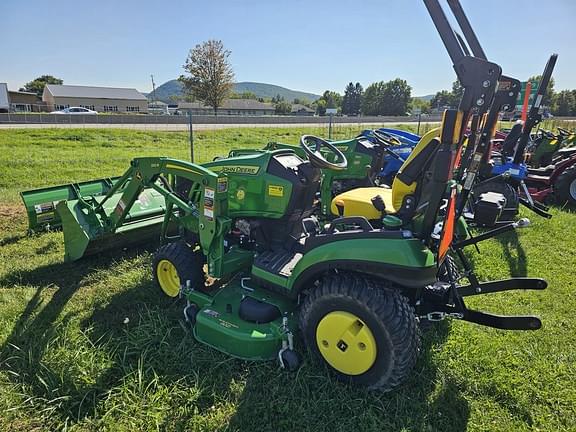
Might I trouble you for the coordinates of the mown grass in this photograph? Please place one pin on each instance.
(93, 346)
(32, 158)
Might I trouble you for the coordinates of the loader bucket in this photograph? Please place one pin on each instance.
(85, 233)
(41, 203)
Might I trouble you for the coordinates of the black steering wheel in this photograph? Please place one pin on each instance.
(385, 138)
(388, 142)
(317, 158)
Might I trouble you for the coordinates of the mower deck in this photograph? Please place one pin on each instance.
(243, 320)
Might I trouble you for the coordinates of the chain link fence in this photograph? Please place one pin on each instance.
(36, 151)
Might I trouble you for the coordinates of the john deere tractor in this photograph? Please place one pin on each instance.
(365, 160)
(240, 244)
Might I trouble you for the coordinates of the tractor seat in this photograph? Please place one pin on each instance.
(358, 202)
(365, 201)
(509, 143)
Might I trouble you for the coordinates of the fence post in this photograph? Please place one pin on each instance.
(191, 135)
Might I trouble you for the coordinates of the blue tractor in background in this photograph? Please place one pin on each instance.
(401, 143)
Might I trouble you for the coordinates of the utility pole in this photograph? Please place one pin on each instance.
(153, 88)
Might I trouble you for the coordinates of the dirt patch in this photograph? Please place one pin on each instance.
(13, 210)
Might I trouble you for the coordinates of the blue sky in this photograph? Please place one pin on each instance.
(303, 45)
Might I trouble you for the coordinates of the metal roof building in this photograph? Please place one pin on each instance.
(101, 99)
(230, 107)
(302, 110)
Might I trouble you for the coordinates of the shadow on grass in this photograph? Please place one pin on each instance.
(66, 276)
(264, 397)
(312, 400)
(12, 239)
(155, 346)
(514, 254)
(24, 349)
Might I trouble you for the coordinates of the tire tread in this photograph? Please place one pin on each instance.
(389, 306)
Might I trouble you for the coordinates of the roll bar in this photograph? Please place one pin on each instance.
(534, 117)
(480, 78)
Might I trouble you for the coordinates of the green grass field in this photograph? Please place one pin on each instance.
(93, 346)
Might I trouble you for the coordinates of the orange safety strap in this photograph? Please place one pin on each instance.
(447, 234)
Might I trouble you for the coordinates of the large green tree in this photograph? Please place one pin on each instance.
(210, 77)
(564, 103)
(421, 104)
(372, 103)
(457, 92)
(387, 98)
(445, 98)
(320, 106)
(441, 99)
(333, 99)
(329, 99)
(549, 96)
(397, 97)
(37, 85)
(352, 100)
(283, 107)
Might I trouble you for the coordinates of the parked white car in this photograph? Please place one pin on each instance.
(75, 110)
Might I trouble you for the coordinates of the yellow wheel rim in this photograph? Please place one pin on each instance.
(168, 278)
(346, 343)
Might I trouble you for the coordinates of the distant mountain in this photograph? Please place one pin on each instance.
(174, 88)
(427, 98)
(169, 88)
(271, 90)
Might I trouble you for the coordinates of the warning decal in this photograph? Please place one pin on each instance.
(222, 184)
(276, 191)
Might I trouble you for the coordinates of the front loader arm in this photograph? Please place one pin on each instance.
(203, 211)
(206, 206)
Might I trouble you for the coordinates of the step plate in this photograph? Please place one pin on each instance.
(277, 262)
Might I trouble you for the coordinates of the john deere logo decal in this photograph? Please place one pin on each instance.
(238, 169)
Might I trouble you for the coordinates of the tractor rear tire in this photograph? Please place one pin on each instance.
(364, 331)
(565, 188)
(174, 264)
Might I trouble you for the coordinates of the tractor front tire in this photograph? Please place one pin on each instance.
(365, 332)
(565, 188)
(174, 264)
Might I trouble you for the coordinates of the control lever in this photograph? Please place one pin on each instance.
(340, 206)
(379, 205)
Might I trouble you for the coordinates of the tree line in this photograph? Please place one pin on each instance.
(209, 78)
(561, 103)
(564, 103)
(391, 98)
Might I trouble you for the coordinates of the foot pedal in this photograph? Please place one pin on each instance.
(501, 321)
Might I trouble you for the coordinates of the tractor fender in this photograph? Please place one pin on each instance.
(561, 167)
(406, 262)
